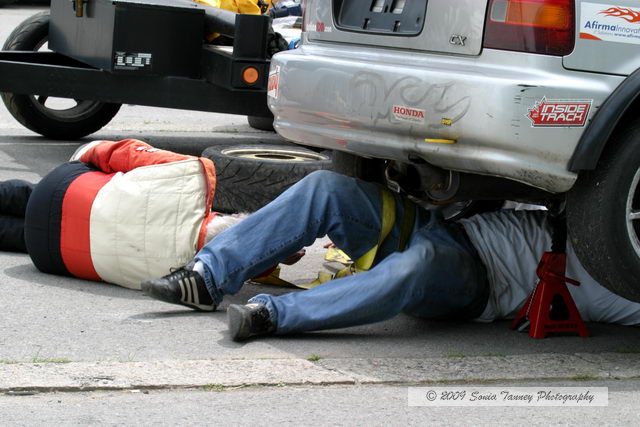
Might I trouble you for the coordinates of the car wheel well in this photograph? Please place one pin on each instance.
(612, 115)
(626, 120)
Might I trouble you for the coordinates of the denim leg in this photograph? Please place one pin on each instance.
(323, 203)
(438, 275)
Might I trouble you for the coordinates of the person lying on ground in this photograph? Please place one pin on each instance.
(481, 268)
(122, 211)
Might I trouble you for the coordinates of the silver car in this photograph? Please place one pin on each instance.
(533, 100)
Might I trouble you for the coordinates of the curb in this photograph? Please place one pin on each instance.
(222, 374)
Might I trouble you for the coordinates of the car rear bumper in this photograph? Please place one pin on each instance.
(402, 105)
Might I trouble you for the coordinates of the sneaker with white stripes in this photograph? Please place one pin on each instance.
(182, 286)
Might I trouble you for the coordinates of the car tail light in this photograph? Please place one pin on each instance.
(536, 26)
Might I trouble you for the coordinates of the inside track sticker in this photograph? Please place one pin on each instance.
(559, 113)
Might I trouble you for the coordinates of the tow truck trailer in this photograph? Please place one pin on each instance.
(104, 53)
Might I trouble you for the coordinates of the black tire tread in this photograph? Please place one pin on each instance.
(244, 185)
(261, 123)
(593, 209)
(26, 30)
(25, 37)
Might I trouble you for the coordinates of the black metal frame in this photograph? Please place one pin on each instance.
(219, 89)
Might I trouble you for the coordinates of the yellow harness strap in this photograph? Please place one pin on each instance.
(388, 219)
(363, 263)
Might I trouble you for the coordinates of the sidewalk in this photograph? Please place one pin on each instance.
(234, 373)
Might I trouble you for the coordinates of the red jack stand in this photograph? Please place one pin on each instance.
(550, 307)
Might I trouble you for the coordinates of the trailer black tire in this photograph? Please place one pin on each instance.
(603, 215)
(261, 123)
(80, 120)
(250, 176)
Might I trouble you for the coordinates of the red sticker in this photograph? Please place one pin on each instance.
(273, 85)
(625, 13)
(556, 112)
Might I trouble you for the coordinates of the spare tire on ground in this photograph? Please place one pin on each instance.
(250, 176)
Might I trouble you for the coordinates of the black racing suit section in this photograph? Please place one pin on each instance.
(44, 217)
(14, 195)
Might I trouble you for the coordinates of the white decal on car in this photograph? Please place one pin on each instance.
(273, 84)
(606, 22)
(407, 114)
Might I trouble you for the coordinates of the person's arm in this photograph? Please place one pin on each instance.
(126, 155)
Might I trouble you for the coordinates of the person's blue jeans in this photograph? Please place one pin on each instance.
(438, 275)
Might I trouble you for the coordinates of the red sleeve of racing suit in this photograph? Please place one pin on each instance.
(128, 154)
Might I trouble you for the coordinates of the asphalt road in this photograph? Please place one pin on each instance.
(74, 352)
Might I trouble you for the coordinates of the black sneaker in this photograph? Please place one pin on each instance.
(183, 286)
(249, 320)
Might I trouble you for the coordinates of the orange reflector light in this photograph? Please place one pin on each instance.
(250, 75)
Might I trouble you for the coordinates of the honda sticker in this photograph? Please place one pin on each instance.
(407, 114)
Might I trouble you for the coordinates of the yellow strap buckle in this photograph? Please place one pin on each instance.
(365, 262)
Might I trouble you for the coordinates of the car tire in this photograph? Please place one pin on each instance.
(603, 215)
(261, 123)
(250, 176)
(66, 122)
